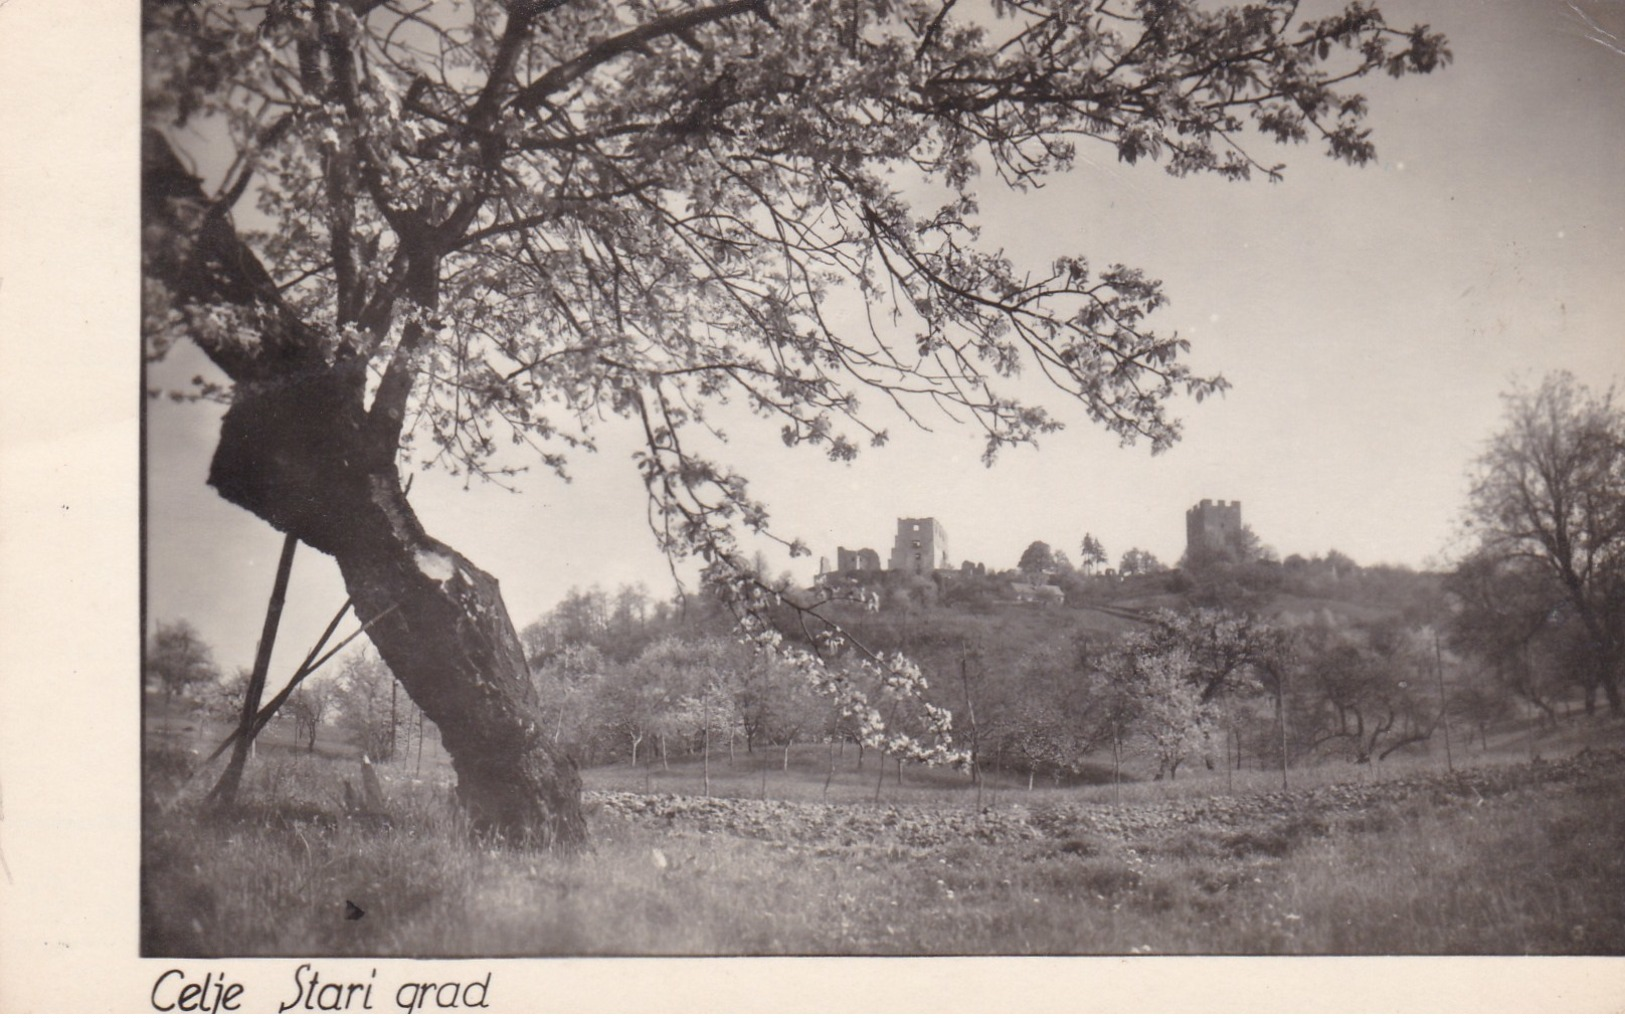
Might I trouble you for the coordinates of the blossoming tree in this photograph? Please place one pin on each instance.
(477, 224)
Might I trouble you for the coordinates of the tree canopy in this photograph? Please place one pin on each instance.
(1139, 562)
(502, 220)
(179, 658)
(1037, 558)
(1548, 497)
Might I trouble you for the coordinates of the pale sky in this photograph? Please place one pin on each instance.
(1367, 319)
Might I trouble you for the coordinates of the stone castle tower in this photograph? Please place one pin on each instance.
(1212, 527)
(921, 546)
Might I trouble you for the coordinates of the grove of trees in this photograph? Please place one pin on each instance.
(453, 234)
(1385, 659)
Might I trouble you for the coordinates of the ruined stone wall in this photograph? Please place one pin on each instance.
(860, 560)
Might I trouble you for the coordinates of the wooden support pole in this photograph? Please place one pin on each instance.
(224, 793)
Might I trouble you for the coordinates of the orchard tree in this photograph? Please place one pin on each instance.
(1501, 611)
(179, 659)
(458, 234)
(310, 705)
(1224, 651)
(369, 701)
(1138, 562)
(642, 701)
(573, 683)
(225, 699)
(1362, 687)
(1037, 559)
(1166, 713)
(1178, 675)
(1550, 491)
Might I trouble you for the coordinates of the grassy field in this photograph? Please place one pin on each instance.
(1503, 856)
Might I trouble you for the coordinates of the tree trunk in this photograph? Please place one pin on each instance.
(297, 455)
(1280, 710)
(301, 449)
(394, 719)
(705, 748)
(1117, 767)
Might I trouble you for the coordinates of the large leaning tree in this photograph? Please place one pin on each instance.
(447, 228)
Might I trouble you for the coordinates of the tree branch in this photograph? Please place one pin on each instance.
(532, 95)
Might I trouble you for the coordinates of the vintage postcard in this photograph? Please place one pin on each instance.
(866, 505)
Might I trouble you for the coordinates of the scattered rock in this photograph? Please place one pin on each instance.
(1282, 814)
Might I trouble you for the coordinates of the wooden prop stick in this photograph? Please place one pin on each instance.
(304, 673)
(224, 792)
(251, 725)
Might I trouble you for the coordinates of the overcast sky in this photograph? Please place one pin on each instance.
(1367, 319)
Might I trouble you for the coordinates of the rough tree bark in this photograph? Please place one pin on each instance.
(299, 449)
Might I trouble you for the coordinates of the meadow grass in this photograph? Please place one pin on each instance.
(1532, 868)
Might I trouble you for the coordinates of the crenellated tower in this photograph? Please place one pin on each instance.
(1212, 528)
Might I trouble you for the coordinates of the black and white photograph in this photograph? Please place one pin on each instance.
(854, 479)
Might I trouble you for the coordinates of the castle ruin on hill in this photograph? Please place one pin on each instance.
(919, 548)
(862, 560)
(920, 545)
(1212, 528)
